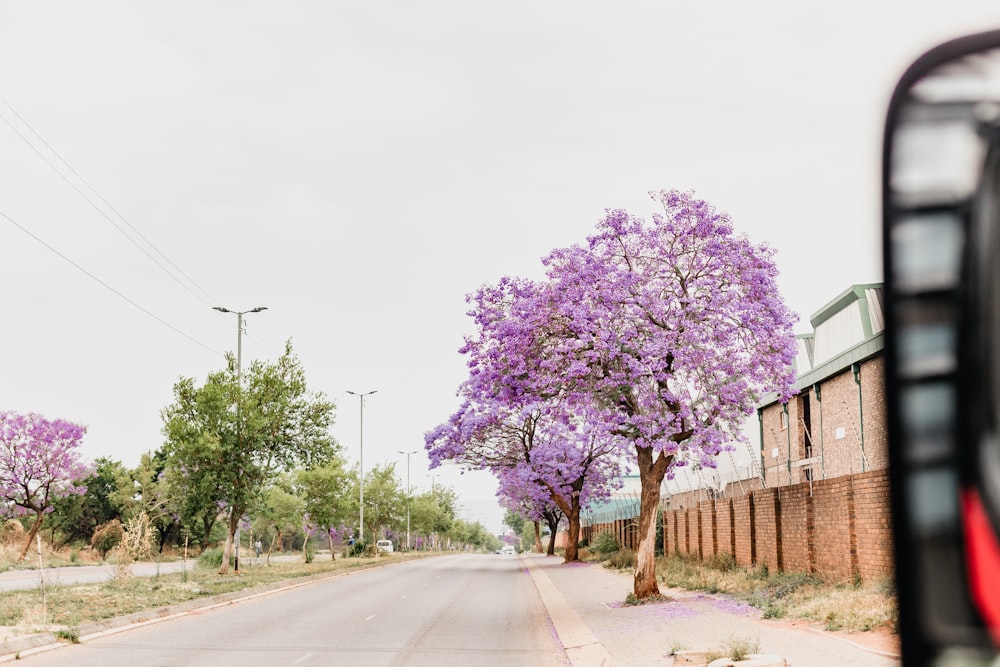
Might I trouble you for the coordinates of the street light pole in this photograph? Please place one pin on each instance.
(361, 463)
(239, 389)
(408, 495)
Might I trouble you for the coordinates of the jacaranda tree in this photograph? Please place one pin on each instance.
(39, 462)
(661, 333)
(541, 454)
(672, 328)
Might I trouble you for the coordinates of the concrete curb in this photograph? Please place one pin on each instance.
(580, 644)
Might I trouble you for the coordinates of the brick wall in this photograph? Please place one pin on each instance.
(833, 508)
(725, 527)
(839, 528)
(795, 509)
(876, 430)
(707, 519)
(744, 520)
(873, 526)
(767, 528)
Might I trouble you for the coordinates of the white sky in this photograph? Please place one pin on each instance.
(359, 167)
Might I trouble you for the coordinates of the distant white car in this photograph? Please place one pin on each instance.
(384, 546)
(509, 550)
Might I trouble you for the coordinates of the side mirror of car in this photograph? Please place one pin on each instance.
(941, 235)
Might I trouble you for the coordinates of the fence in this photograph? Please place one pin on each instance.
(838, 528)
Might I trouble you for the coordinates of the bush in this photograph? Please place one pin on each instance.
(604, 545)
(622, 559)
(723, 562)
(107, 536)
(212, 558)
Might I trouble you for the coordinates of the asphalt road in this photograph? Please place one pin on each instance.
(462, 609)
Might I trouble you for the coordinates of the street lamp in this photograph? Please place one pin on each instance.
(239, 388)
(361, 475)
(408, 495)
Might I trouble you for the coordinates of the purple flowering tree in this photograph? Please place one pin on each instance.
(526, 507)
(537, 442)
(39, 462)
(660, 334)
(667, 331)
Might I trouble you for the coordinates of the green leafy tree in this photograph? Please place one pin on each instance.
(76, 517)
(385, 500)
(234, 439)
(279, 513)
(324, 491)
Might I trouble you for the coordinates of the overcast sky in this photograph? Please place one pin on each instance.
(358, 168)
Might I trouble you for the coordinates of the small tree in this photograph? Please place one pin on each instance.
(324, 490)
(39, 462)
(233, 439)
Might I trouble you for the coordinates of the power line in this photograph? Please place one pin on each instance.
(107, 286)
(209, 302)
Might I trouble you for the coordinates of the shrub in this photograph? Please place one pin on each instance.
(11, 531)
(740, 648)
(723, 562)
(622, 559)
(107, 536)
(604, 545)
(71, 635)
(212, 558)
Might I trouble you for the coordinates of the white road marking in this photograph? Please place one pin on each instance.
(370, 617)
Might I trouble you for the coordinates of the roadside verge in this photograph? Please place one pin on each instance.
(580, 644)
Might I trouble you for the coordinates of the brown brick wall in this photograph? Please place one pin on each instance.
(839, 528)
(694, 531)
(872, 526)
(876, 431)
(833, 508)
(682, 532)
(708, 525)
(725, 535)
(796, 511)
(743, 531)
(767, 528)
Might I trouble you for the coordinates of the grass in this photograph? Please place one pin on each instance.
(69, 607)
(837, 606)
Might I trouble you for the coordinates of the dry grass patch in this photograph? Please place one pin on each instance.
(71, 606)
(785, 594)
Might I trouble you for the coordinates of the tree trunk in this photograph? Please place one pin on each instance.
(573, 536)
(329, 535)
(538, 537)
(206, 531)
(39, 516)
(270, 547)
(234, 521)
(652, 468)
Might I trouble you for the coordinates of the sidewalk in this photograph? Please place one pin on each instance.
(604, 632)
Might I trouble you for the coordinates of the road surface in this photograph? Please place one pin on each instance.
(462, 609)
